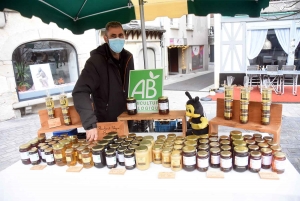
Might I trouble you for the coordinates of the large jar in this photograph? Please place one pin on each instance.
(70, 157)
(129, 159)
(214, 160)
(149, 150)
(166, 157)
(59, 154)
(156, 154)
(120, 154)
(163, 105)
(202, 161)
(131, 106)
(266, 158)
(142, 157)
(225, 161)
(98, 155)
(176, 161)
(87, 159)
(34, 156)
(278, 162)
(24, 153)
(49, 156)
(255, 161)
(241, 157)
(111, 158)
(189, 158)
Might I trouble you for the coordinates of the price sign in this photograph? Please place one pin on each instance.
(105, 127)
(166, 175)
(117, 171)
(74, 169)
(54, 122)
(214, 174)
(268, 175)
(38, 167)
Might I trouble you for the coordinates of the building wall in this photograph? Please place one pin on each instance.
(19, 30)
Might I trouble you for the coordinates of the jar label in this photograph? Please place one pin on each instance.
(58, 156)
(79, 156)
(189, 160)
(49, 158)
(255, 164)
(24, 155)
(68, 159)
(121, 158)
(202, 163)
(141, 160)
(129, 161)
(215, 159)
(131, 106)
(266, 160)
(96, 158)
(43, 155)
(34, 157)
(86, 160)
(226, 163)
(166, 160)
(111, 160)
(64, 110)
(241, 161)
(163, 106)
(279, 165)
(176, 163)
(156, 157)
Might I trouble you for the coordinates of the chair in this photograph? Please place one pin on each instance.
(273, 80)
(287, 79)
(253, 79)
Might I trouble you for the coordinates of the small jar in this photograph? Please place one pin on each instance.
(278, 162)
(176, 161)
(87, 159)
(120, 155)
(244, 117)
(49, 156)
(203, 147)
(202, 161)
(70, 157)
(119, 141)
(142, 157)
(189, 158)
(42, 149)
(253, 147)
(129, 159)
(266, 158)
(79, 150)
(166, 157)
(73, 139)
(81, 141)
(67, 120)
(98, 155)
(24, 153)
(240, 158)
(149, 150)
(247, 137)
(122, 137)
(225, 148)
(163, 105)
(192, 137)
(59, 154)
(227, 114)
(131, 106)
(235, 133)
(214, 160)
(111, 158)
(265, 119)
(233, 138)
(275, 148)
(34, 156)
(163, 137)
(225, 161)
(255, 161)
(136, 142)
(156, 154)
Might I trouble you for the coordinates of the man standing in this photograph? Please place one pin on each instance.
(102, 87)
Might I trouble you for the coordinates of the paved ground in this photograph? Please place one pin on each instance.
(19, 131)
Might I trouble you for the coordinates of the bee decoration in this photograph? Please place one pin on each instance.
(194, 110)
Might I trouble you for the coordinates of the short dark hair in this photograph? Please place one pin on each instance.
(113, 24)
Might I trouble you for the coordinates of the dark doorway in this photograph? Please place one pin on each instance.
(212, 53)
(173, 60)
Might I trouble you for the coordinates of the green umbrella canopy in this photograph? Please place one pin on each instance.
(81, 15)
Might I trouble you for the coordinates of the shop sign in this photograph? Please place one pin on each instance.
(146, 86)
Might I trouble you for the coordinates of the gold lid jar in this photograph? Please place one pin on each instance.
(142, 157)
(34, 142)
(255, 161)
(109, 138)
(111, 158)
(223, 137)
(190, 143)
(132, 147)
(225, 148)
(272, 143)
(250, 142)
(123, 137)
(176, 160)
(178, 142)
(159, 141)
(192, 137)
(204, 136)
(262, 145)
(166, 156)
(266, 158)
(214, 135)
(225, 161)
(278, 162)
(104, 143)
(203, 141)
(213, 139)
(34, 156)
(70, 157)
(214, 144)
(178, 147)
(136, 142)
(163, 137)
(241, 158)
(233, 138)
(139, 138)
(131, 106)
(129, 159)
(253, 147)
(171, 135)
(239, 143)
(267, 138)
(59, 154)
(257, 135)
(214, 160)
(203, 147)
(189, 158)
(224, 142)
(157, 150)
(163, 105)
(258, 140)
(129, 139)
(114, 146)
(24, 153)
(180, 138)
(275, 148)
(202, 161)
(132, 135)
(247, 137)
(235, 133)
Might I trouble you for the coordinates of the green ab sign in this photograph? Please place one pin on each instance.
(146, 86)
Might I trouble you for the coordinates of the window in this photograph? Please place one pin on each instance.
(44, 65)
(151, 59)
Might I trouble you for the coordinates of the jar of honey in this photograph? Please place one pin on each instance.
(225, 161)
(256, 135)
(166, 157)
(129, 159)
(176, 160)
(109, 138)
(70, 157)
(157, 151)
(87, 159)
(262, 145)
(278, 162)
(189, 158)
(111, 158)
(59, 154)
(202, 161)
(34, 156)
(42, 149)
(139, 138)
(104, 143)
(224, 142)
(253, 147)
(34, 142)
(214, 144)
(163, 137)
(275, 148)
(98, 155)
(203, 141)
(79, 150)
(49, 156)
(241, 157)
(267, 139)
(255, 161)
(214, 160)
(163, 105)
(247, 137)
(149, 150)
(131, 106)
(24, 153)
(266, 158)
(120, 154)
(142, 157)
(225, 148)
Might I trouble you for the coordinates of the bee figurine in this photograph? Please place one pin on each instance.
(194, 110)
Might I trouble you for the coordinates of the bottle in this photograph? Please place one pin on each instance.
(202, 161)
(163, 105)
(225, 161)
(24, 153)
(98, 155)
(278, 162)
(129, 159)
(189, 158)
(176, 160)
(255, 161)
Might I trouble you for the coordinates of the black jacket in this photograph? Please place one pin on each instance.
(100, 85)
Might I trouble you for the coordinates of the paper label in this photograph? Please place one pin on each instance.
(131, 106)
(74, 169)
(214, 174)
(141, 160)
(129, 161)
(215, 159)
(279, 165)
(96, 158)
(68, 159)
(117, 171)
(34, 157)
(202, 163)
(86, 160)
(54, 122)
(38, 167)
(226, 163)
(43, 155)
(24, 155)
(268, 175)
(58, 156)
(163, 106)
(166, 175)
(111, 160)
(255, 164)
(266, 160)
(241, 161)
(121, 157)
(49, 158)
(189, 160)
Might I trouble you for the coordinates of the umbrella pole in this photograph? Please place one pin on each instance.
(143, 30)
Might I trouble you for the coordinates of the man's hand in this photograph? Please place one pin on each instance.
(91, 134)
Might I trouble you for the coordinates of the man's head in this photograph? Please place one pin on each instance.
(114, 36)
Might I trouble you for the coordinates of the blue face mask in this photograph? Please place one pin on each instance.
(116, 44)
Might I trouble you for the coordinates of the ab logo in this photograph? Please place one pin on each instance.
(146, 86)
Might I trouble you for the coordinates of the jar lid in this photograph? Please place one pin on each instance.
(122, 137)
(167, 149)
(180, 138)
(214, 144)
(192, 137)
(240, 149)
(252, 142)
(41, 145)
(68, 151)
(266, 150)
(75, 145)
(129, 139)
(276, 148)
(141, 148)
(103, 142)
(145, 142)
(279, 154)
(57, 146)
(178, 142)
(131, 135)
(163, 137)
(253, 147)
(215, 150)
(125, 144)
(204, 136)
(188, 149)
(239, 143)
(235, 132)
(223, 137)
(128, 152)
(190, 143)
(247, 137)
(213, 135)
(203, 141)
(108, 137)
(178, 147)
(176, 153)
(98, 148)
(159, 141)
(130, 98)
(44, 147)
(136, 142)
(148, 137)
(263, 145)
(119, 141)
(163, 98)
(157, 147)
(48, 149)
(33, 149)
(257, 135)
(110, 151)
(81, 148)
(225, 142)
(171, 135)
(171, 139)
(122, 149)
(86, 143)
(237, 137)
(202, 153)
(225, 153)
(41, 137)
(203, 146)
(132, 147)
(85, 151)
(268, 138)
(213, 139)
(114, 146)
(272, 143)
(255, 153)
(139, 138)
(34, 141)
(226, 147)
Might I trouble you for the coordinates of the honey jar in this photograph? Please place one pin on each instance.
(214, 160)
(266, 158)
(171, 135)
(225, 161)
(163, 137)
(272, 143)
(256, 135)
(136, 142)
(156, 154)
(109, 138)
(98, 155)
(235, 133)
(258, 140)
(104, 143)
(214, 144)
(24, 153)
(278, 162)
(111, 158)
(129, 159)
(189, 158)
(203, 141)
(87, 159)
(176, 161)
(250, 142)
(129, 139)
(70, 157)
(178, 147)
(114, 146)
(275, 148)
(253, 147)
(139, 138)
(202, 161)
(163, 105)
(149, 150)
(34, 142)
(160, 141)
(34, 156)
(190, 143)
(67, 120)
(120, 155)
(59, 152)
(223, 137)
(267, 139)
(142, 157)
(247, 137)
(114, 134)
(255, 161)
(166, 157)
(42, 149)
(49, 156)
(262, 145)
(224, 142)
(225, 148)
(79, 150)
(241, 157)
(204, 136)
(131, 106)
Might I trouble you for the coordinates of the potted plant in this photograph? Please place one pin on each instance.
(22, 74)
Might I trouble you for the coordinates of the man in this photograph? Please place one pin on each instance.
(101, 90)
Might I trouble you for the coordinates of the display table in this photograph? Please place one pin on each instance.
(18, 182)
